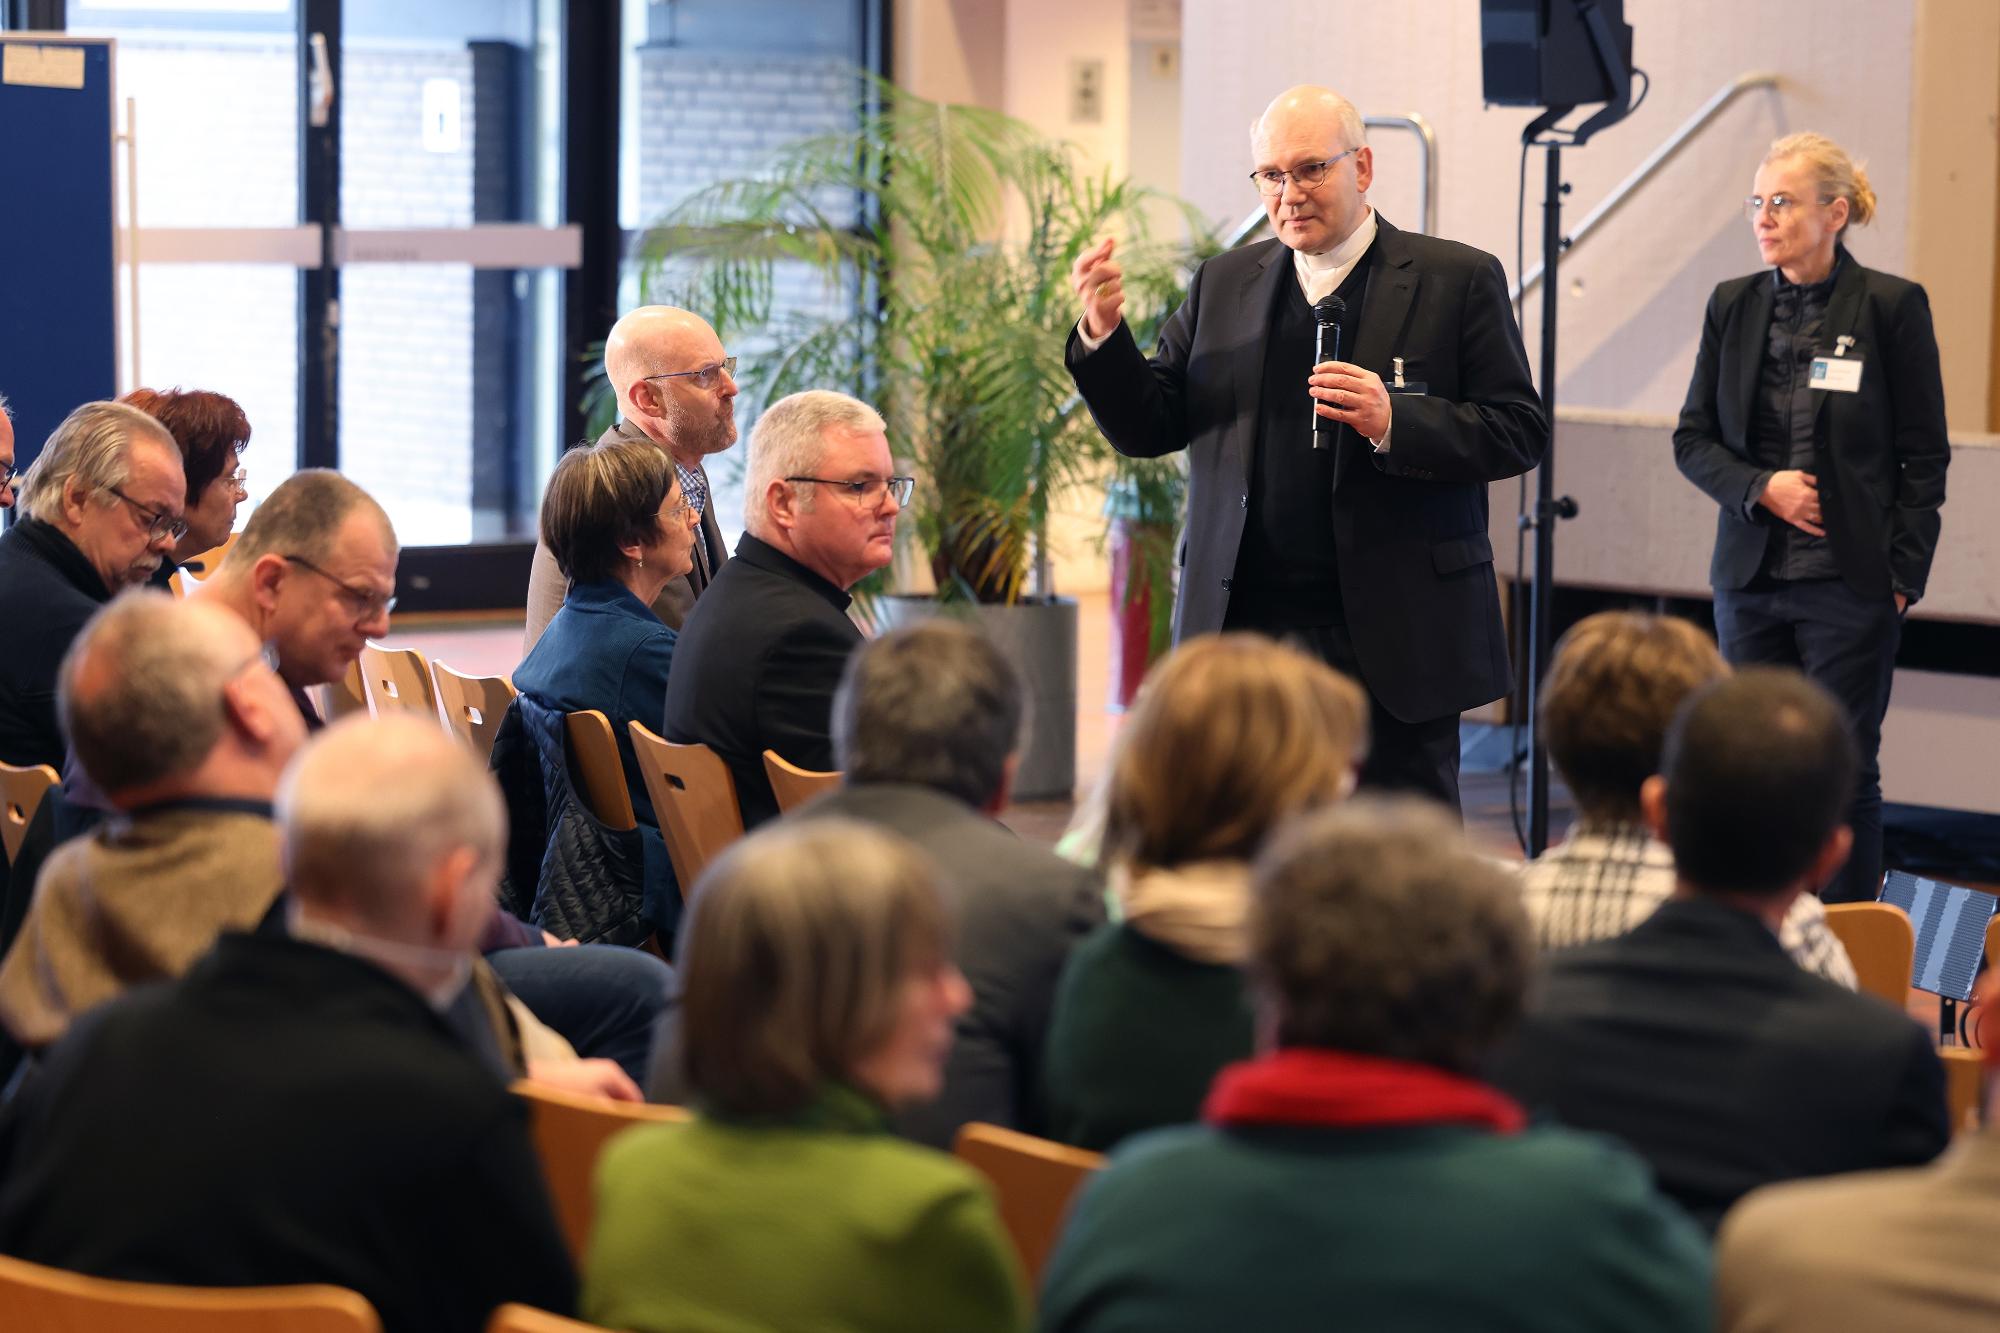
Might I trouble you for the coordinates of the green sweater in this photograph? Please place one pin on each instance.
(822, 1222)
(1138, 1034)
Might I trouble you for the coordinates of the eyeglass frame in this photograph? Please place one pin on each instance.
(159, 523)
(1755, 204)
(680, 511)
(8, 472)
(1264, 175)
(857, 488)
(369, 600)
(726, 366)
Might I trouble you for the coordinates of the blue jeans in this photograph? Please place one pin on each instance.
(605, 999)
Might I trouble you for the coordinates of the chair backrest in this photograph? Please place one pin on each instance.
(472, 705)
(21, 793)
(397, 678)
(201, 566)
(695, 799)
(794, 786)
(1880, 940)
(1033, 1181)
(527, 1319)
(570, 1130)
(345, 696)
(598, 769)
(49, 1300)
(1964, 1086)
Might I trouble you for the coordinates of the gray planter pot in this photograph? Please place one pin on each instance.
(1039, 638)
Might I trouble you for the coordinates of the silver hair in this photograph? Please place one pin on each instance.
(94, 445)
(6, 408)
(790, 440)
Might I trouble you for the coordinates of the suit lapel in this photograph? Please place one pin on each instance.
(1256, 301)
(1842, 309)
(1743, 352)
(1392, 287)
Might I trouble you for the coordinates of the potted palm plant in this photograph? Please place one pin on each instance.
(940, 238)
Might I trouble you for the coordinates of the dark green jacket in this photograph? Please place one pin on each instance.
(823, 1222)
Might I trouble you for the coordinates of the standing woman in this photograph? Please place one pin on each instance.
(1815, 419)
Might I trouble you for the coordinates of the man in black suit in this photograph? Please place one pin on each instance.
(1695, 1038)
(1371, 551)
(758, 661)
(925, 729)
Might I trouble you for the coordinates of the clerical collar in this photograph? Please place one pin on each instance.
(1342, 255)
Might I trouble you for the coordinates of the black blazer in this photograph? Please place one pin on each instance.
(1019, 908)
(1700, 1043)
(48, 591)
(1416, 565)
(756, 667)
(1881, 451)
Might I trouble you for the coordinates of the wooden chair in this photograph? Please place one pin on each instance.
(1882, 943)
(49, 1300)
(1033, 1180)
(695, 799)
(527, 1319)
(472, 705)
(570, 1130)
(794, 786)
(1964, 1086)
(598, 769)
(21, 793)
(201, 566)
(397, 678)
(345, 696)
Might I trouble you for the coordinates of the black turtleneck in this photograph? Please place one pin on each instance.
(48, 589)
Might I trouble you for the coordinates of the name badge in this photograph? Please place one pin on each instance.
(1837, 374)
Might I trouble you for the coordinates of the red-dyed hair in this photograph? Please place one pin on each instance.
(209, 427)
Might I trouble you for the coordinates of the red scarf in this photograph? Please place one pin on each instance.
(1334, 1089)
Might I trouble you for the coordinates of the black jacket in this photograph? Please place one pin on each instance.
(1882, 450)
(566, 872)
(1018, 909)
(1410, 525)
(48, 589)
(1698, 1041)
(283, 1114)
(756, 667)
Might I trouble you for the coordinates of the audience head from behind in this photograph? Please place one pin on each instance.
(313, 574)
(673, 381)
(1617, 680)
(816, 955)
(211, 432)
(934, 705)
(164, 699)
(392, 839)
(1754, 787)
(821, 485)
(110, 480)
(6, 454)
(614, 513)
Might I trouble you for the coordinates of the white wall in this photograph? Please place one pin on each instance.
(1633, 293)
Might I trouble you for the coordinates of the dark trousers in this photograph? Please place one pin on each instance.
(1417, 757)
(1848, 645)
(604, 999)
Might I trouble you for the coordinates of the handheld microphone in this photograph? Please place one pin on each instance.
(1328, 311)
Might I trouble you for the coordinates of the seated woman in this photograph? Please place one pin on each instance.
(817, 995)
(1230, 735)
(212, 433)
(616, 523)
(1357, 1173)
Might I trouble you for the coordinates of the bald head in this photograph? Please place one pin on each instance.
(375, 812)
(1309, 109)
(689, 418)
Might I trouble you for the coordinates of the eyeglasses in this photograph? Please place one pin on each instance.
(158, 523)
(868, 490)
(1779, 204)
(1307, 175)
(7, 471)
(704, 378)
(364, 603)
(240, 479)
(681, 511)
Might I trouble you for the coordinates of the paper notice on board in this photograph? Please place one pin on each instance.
(41, 66)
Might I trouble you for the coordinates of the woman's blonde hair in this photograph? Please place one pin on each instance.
(1837, 175)
(792, 960)
(1231, 734)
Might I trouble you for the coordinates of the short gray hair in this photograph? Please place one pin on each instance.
(302, 517)
(140, 691)
(790, 440)
(371, 805)
(935, 704)
(94, 445)
(1375, 929)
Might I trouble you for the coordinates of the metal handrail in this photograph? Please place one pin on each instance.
(1427, 143)
(1665, 153)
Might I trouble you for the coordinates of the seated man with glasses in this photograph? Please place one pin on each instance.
(761, 656)
(101, 508)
